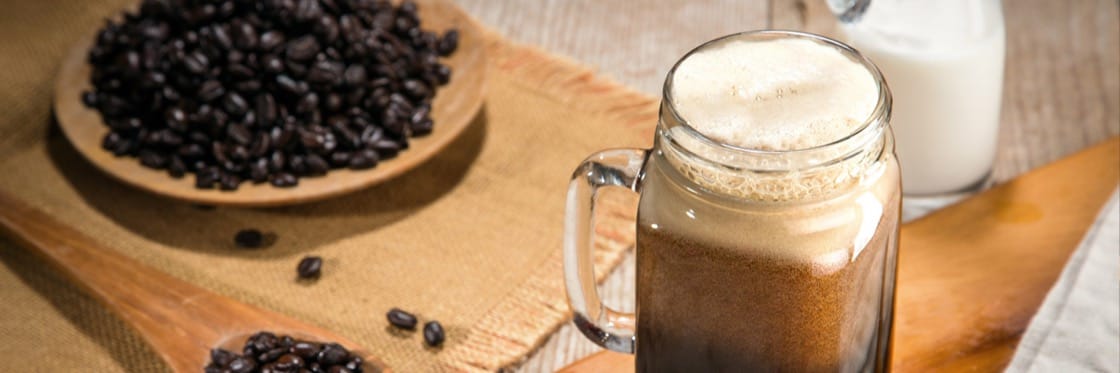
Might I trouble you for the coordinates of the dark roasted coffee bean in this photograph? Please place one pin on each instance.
(287, 84)
(277, 161)
(332, 353)
(309, 267)
(284, 180)
(271, 355)
(221, 357)
(401, 319)
(191, 151)
(386, 148)
(176, 118)
(355, 364)
(449, 42)
(302, 49)
(220, 35)
(273, 64)
(296, 69)
(340, 159)
(229, 181)
(242, 364)
(196, 63)
(316, 165)
(333, 102)
(443, 74)
(235, 104)
(248, 86)
(289, 363)
(245, 35)
(89, 99)
(249, 238)
(152, 159)
(266, 109)
(339, 369)
(433, 333)
(239, 71)
(422, 128)
(239, 134)
(363, 159)
(270, 40)
(325, 73)
(298, 165)
(306, 350)
(355, 75)
(110, 141)
(416, 89)
(176, 167)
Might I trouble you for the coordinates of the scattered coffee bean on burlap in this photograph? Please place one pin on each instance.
(401, 319)
(309, 267)
(433, 333)
(249, 238)
(265, 91)
(265, 352)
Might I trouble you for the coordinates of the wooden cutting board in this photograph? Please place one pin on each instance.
(972, 275)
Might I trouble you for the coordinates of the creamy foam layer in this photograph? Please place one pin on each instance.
(783, 94)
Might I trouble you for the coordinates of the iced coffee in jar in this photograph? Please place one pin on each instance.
(767, 228)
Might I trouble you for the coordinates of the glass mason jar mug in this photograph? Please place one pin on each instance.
(748, 259)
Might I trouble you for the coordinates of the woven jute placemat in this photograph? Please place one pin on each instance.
(471, 238)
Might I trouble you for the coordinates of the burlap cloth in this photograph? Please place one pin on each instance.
(471, 238)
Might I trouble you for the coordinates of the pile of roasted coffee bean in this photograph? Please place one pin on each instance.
(265, 91)
(265, 352)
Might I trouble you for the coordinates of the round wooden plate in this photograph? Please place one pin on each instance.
(453, 109)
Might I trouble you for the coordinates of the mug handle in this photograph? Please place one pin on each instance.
(606, 327)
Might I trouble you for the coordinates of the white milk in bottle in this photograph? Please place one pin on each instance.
(943, 61)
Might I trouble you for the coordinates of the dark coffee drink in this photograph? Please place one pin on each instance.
(767, 229)
(731, 296)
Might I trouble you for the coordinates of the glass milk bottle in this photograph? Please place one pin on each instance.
(944, 63)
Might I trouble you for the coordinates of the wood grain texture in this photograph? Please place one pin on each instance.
(972, 275)
(180, 321)
(453, 109)
(1061, 85)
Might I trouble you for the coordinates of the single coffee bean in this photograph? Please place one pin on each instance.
(221, 357)
(235, 104)
(289, 362)
(309, 267)
(304, 349)
(176, 167)
(210, 90)
(433, 333)
(333, 354)
(271, 355)
(363, 159)
(249, 238)
(302, 49)
(386, 148)
(89, 99)
(416, 88)
(401, 319)
(239, 133)
(449, 42)
(242, 364)
(316, 165)
(284, 180)
(355, 363)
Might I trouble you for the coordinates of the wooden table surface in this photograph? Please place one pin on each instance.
(1061, 84)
